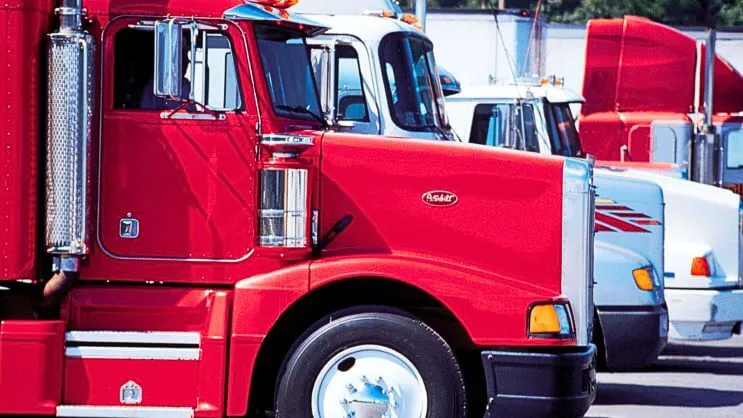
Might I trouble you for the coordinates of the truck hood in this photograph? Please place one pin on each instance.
(483, 208)
(701, 220)
(630, 215)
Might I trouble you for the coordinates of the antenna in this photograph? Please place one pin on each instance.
(531, 37)
(508, 56)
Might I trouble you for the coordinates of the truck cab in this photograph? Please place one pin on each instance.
(396, 93)
(701, 256)
(209, 247)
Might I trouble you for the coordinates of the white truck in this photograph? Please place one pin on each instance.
(703, 228)
(378, 75)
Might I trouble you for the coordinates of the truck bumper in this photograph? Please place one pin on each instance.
(633, 336)
(704, 314)
(540, 384)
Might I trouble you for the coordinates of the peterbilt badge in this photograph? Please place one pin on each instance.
(440, 198)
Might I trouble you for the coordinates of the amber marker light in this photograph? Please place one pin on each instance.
(550, 321)
(643, 278)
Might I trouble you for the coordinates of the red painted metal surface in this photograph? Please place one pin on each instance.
(638, 71)
(605, 134)
(199, 384)
(31, 366)
(193, 186)
(23, 25)
(98, 381)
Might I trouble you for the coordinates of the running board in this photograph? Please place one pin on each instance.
(85, 411)
(133, 345)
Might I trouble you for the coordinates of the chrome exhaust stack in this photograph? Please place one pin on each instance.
(70, 107)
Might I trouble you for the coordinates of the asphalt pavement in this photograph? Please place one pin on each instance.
(691, 379)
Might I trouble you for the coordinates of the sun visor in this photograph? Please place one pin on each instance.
(269, 14)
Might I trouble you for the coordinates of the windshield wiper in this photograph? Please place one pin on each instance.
(300, 109)
(439, 131)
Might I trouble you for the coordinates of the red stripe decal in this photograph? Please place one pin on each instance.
(647, 222)
(612, 207)
(630, 215)
(603, 228)
(618, 223)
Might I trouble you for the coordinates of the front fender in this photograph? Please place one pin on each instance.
(615, 285)
(492, 310)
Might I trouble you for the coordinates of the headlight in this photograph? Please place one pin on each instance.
(552, 320)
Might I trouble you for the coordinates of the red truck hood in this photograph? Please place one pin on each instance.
(636, 65)
(490, 209)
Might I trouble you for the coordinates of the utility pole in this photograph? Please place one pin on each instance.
(706, 152)
(420, 13)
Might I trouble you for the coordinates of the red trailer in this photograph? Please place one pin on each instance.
(183, 236)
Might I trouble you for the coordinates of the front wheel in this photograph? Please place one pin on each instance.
(372, 364)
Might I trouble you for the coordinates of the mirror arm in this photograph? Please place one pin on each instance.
(332, 111)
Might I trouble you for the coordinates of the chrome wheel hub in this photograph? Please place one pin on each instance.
(369, 382)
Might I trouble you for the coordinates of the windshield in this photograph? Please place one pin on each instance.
(561, 121)
(286, 64)
(505, 125)
(413, 90)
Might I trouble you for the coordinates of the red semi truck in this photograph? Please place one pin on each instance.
(183, 236)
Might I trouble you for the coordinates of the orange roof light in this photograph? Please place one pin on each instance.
(388, 13)
(700, 267)
(279, 4)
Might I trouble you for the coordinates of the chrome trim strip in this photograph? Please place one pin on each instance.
(108, 337)
(100, 82)
(85, 411)
(577, 244)
(133, 353)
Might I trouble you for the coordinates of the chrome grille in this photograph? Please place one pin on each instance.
(70, 112)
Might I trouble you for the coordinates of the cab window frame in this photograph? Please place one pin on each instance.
(135, 25)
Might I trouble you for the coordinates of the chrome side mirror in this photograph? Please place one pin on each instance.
(168, 59)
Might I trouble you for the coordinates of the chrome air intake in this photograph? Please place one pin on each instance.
(70, 112)
(577, 244)
(283, 211)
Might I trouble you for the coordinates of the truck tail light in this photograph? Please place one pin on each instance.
(69, 118)
(700, 266)
(283, 208)
(551, 320)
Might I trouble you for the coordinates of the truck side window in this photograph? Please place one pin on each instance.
(531, 142)
(215, 84)
(555, 139)
(735, 149)
(566, 125)
(351, 101)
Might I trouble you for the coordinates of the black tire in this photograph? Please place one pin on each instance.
(421, 345)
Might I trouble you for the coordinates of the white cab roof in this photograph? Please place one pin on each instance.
(344, 7)
(362, 27)
(512, 91)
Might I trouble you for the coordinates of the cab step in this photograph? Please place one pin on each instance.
(87, 411)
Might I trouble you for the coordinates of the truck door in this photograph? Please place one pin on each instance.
(344, 76)
(177, 178)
